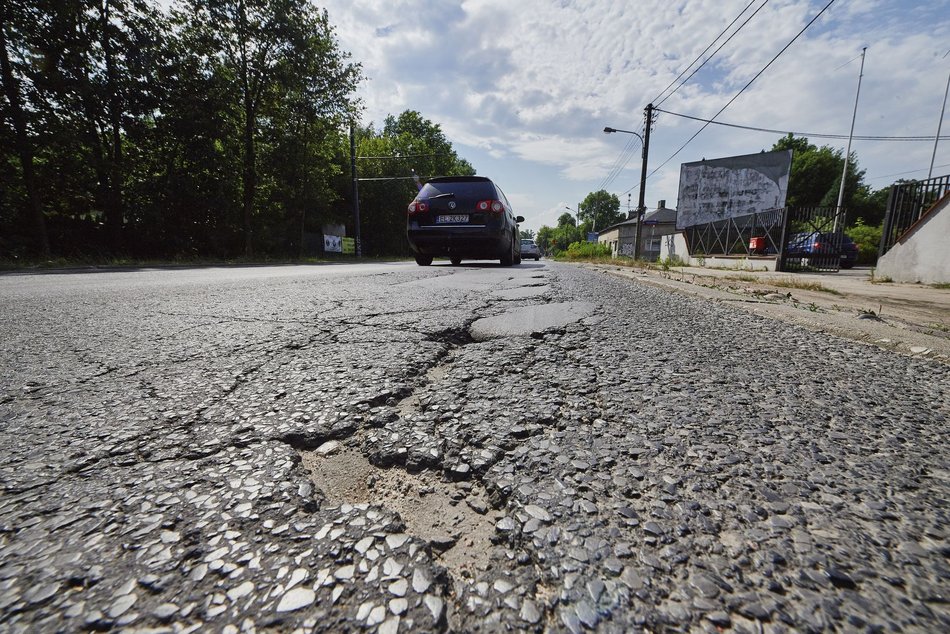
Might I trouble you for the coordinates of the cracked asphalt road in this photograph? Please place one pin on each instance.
(624, 458)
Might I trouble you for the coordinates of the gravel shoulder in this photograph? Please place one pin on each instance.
(911, 319)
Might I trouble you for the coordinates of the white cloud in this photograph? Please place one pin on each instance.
(524, 89)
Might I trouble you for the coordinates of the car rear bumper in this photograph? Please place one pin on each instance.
(466, 242)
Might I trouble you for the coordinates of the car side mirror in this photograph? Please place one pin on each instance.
(519, 219)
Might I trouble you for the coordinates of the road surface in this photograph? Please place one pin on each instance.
(393, 448)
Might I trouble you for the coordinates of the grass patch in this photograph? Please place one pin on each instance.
(803, 285)
(742, 278)
(941, 285)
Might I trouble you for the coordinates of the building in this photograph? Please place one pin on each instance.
(657, 223)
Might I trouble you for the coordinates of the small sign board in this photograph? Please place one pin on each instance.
(332, 244)
(592, 236)
(349, 245)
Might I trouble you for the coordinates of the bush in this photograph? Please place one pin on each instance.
(587, 250)
(868, 239)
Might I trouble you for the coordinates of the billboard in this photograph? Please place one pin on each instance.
(724, 188)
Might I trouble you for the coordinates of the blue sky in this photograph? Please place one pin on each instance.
(524, 89)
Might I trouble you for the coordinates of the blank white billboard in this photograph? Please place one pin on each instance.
(734, 186)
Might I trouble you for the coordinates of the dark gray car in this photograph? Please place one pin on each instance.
(463, 217)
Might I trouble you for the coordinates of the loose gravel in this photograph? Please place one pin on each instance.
(303, 451)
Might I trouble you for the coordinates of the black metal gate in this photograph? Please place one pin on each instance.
(908, 203)
(812, 239)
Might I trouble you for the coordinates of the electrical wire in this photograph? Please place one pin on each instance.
(621, 162)
(806, 134)
(736, 96)
(627, 153)
(754, 13)
(698, 57)
(923, 169)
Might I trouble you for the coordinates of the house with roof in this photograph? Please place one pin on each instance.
(657, 224)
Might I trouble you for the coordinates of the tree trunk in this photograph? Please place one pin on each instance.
(24, 148)
(113, 203)
(250, 174)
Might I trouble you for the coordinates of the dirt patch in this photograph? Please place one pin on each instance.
(454, 518)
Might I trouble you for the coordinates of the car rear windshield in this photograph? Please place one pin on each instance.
(471, 191)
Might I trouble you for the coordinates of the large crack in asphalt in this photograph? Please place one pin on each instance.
(443, 502)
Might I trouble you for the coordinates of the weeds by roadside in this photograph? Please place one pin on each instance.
(803, 285)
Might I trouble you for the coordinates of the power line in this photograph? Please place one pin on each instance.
(620, 163)
(729, 103)
(923, 169)
(806, 134)
(754, 13)
(627, 153)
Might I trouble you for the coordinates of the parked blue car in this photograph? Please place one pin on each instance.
(817, 245)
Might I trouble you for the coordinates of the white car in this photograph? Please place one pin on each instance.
(530, 250)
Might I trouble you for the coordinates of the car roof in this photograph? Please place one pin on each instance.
(462, 179)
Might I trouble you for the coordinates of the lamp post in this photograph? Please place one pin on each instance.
(645, 141)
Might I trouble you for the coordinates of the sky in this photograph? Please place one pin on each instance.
(524, 88)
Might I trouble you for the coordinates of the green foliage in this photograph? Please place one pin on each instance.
(600, 210)
(587, 250)
(868, 239)
(157, 140)
(815, 180)
(407, 145)
(566, 220)
(527, 234)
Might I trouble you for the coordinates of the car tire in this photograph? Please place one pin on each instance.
(423, 260)
(536, 259)
(508, 259)
(455, 261)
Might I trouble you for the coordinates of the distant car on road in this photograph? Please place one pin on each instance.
(463, 217)
(530, 250)
(817, 245)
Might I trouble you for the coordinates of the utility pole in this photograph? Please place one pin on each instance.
(847, 154)
(641, 206)
(356, 193)
(939, 125)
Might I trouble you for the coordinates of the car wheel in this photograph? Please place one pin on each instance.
(423, 260)
(508, 259)
(536, 259)
(455, 261)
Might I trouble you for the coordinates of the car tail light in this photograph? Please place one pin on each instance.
(490, 205)
(418, 207)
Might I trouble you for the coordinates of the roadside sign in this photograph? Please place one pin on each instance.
(332, 244)
(592, 236)
(349, 245)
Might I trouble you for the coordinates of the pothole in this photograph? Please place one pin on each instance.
(454, 518)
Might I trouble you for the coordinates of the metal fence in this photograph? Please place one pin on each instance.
(812, 239)
(801, 238)
(906, 204)
(733, 236)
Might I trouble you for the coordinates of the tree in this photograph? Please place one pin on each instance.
(18, 116)
(408, 147)
(601, 209)
(270, 49)
(815, 180)
(527, 234)
(566, 220)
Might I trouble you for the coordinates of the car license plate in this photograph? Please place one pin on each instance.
(452, 219)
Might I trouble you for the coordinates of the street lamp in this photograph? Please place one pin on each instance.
(577, 213)
(645, 141)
